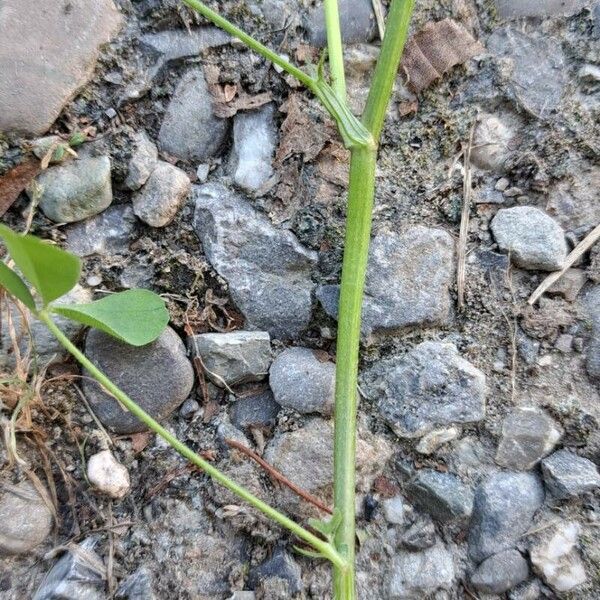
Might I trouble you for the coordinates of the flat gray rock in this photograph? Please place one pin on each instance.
(568, 475)
(415, 575)
(254, 138)
(408, 279)
(268, 270)
(591, 302)
(533, 239)
(25, 518)
(443, 495)
(106, 233)
(233, 358)
(528, 434)
(300, 380)
(47, 54)
(76, 190)
(158, 376)
(190, 130)
(163, 194)
(258, 411)
(503, 509)
(537, 76)
(431, 386)
(500, 572)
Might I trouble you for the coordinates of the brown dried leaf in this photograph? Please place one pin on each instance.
(139, 441)
(434, 50)
(299, 133)
(16, 180)
(333, 164)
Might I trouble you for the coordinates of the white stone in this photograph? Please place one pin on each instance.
(108, 475)
(557, 560)
(491, 143)
(393, 510)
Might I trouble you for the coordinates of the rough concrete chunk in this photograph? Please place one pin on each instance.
(416, 575)
(528, 434)
(431, 386)
(236, 357)
(268, 270)
(48, 51)
(408, 280)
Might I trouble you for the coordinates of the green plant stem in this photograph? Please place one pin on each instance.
(356, 248)
(334, 48)
(321, 546)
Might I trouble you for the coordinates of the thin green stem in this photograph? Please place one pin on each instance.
(334, 48)
(356, 248)
(396, 32)
(252, 43)
(321, 546)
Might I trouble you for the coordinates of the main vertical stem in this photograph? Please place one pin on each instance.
(358, 231)
(361, 192)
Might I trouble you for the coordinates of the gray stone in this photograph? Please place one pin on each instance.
(144, 157)
(536, 73)
(513, 9)
(44, 344)
(430, 386)
(419, 536)
(76, 190)
(408, 280)
(527, 347)
(78, 575)
(591, 302)
(47, 54)
(492, 139)
(106, 233)
(503, 510)
(528, 434)
(254, 138)
(531, 590)
(174, 44)
(138, 586)
(567, 475)
(190, 130)
(301, 381)
(415, 575)
(534, 240)
(431, 441)
(162, 196)
(569, 285)
(259, 411)
(282, 566)
(137, 274)
(443, 495)
(25, 518)
(232, 358)
(393, 510)
(500, 572)
(572, 201)
(158, 376)
(268, 270)
(555, 557)
(189, 408)
(357, 22)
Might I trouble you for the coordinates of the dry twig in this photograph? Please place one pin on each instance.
(278, 476)
(584, 245)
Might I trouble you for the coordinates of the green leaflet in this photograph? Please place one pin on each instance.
(136, 317)
(15, 286)
(50, 270)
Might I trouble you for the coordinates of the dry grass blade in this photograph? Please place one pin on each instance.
(379, 17)
(586, 243)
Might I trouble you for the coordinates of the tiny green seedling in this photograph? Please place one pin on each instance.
(138, 317)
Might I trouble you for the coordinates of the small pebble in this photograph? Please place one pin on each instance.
(108, 475)
(94, 280)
